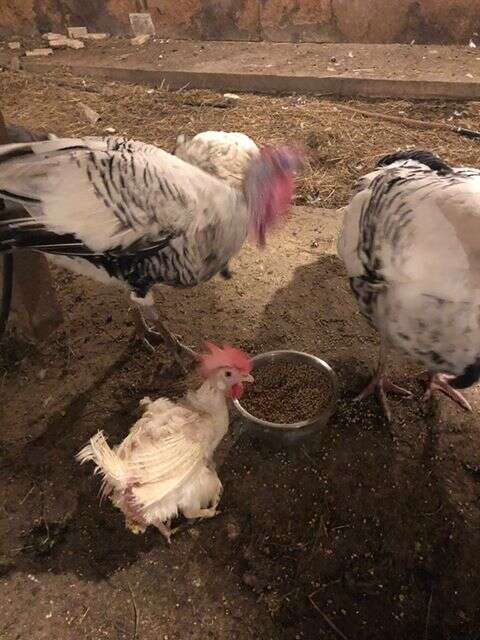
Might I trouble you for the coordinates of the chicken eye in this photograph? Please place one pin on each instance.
(228, 374)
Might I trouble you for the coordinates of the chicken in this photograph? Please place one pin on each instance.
(411, 246)
(226, 155)
(126, 212)
(164, 467)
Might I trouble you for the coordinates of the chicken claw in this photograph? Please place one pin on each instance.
(381, 385)
(439, 382)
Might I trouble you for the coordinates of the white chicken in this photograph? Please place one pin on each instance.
(226, 155)
(410, 243)
(164, 467)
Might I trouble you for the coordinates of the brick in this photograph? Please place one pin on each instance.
(74, 44)
(95, 36)
(59, 43)
(39, 52)
(77, 32)
(142, 24)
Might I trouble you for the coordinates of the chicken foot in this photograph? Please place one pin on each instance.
(191, 515)
(381, 384)
(145, 313)
(439, 382)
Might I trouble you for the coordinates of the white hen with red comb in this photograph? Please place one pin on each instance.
(164, 467)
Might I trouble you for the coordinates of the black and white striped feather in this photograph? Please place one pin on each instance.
(411, 246)
(122, 208)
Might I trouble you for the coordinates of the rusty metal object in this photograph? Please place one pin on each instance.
(33, 301)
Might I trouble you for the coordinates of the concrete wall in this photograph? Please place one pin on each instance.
(372, 21)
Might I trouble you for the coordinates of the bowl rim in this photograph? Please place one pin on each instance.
(322, 416)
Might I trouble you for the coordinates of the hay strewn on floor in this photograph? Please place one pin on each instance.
(341, 145)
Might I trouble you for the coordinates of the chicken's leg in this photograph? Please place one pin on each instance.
(439, 382)
(381, 384)
(146, 314)
(165, 530)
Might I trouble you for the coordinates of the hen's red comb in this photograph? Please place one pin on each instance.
(225, 356)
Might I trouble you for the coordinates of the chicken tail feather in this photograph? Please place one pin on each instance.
(108, 464)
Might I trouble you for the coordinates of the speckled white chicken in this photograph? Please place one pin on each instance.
(127, 213)
(223, 154)
(410, 243)
(164, 467)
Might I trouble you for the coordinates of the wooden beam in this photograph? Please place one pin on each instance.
(35, 308)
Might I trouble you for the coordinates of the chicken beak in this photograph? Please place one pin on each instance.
(248, 378)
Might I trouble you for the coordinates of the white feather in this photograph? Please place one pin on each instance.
(226, 155)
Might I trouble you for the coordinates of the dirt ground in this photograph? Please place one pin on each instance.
(393, 61)
(362, 532)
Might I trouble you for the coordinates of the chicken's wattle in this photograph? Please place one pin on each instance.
(236, 391)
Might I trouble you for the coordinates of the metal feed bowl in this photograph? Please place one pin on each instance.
(295, 430)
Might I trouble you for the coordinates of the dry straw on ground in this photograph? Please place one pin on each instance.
(341, 145)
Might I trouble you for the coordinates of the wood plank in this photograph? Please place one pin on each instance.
(35, 308)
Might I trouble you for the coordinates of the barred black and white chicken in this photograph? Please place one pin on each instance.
(224, 154)
(410, 243)
(126, 212)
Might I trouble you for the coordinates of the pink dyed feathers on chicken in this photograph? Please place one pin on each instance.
(269, 188)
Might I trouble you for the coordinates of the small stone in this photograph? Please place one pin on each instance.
(52, 36)
(231, 96)
(39, 52)
(233, 531)
(142, 24)
(250, 580)
(140, 40)
(41, 374)
(74, 44)
(14, 45)
(77, 32)
(92, 116)
(109, 130)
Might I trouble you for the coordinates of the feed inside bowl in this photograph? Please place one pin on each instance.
(291, 389)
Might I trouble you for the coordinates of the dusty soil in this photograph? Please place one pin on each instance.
(394, 61)
(363, 532)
